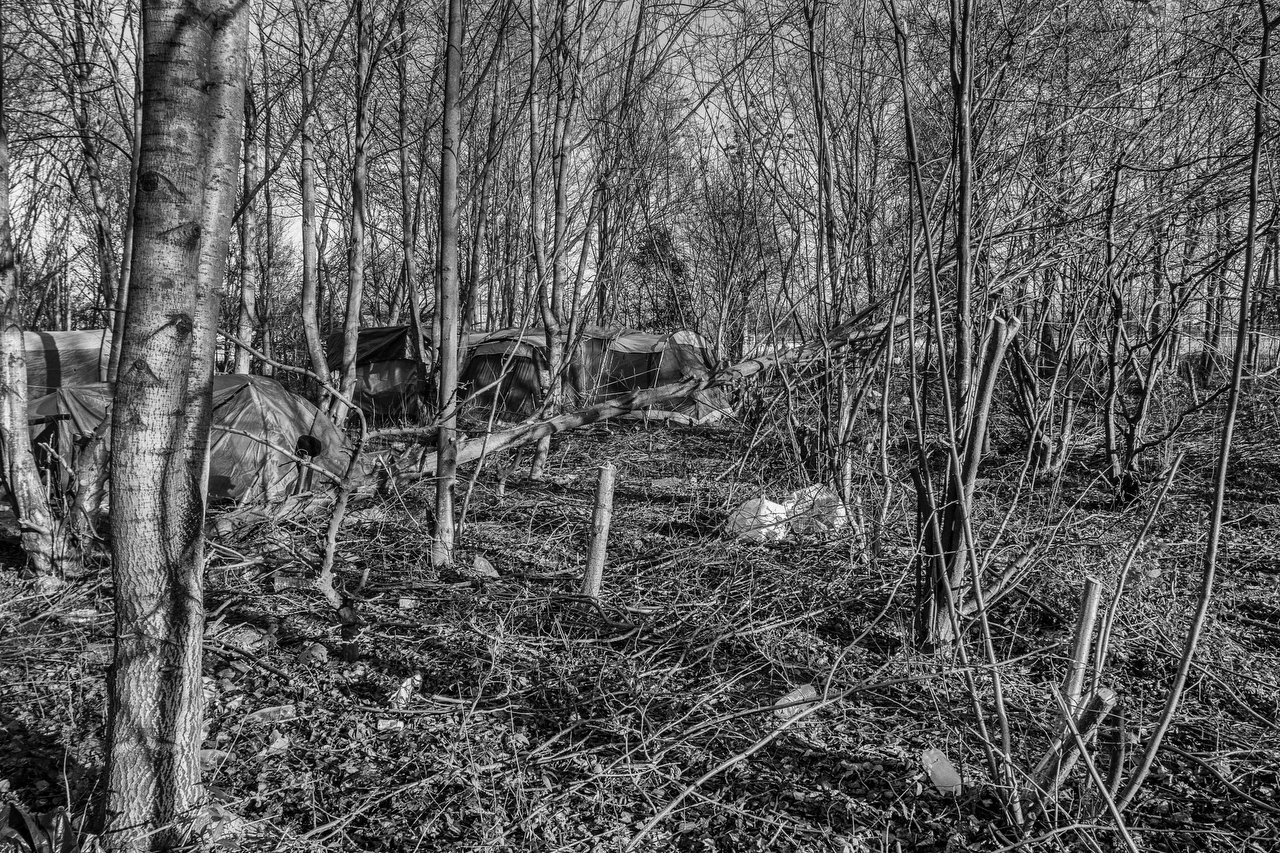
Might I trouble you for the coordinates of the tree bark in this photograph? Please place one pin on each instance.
(265, 251)
(962, 93)
(410, 194)
(447, 301)
(247, 318)
(359, 188)
(537, 233)
(188, 164)
(307, 188)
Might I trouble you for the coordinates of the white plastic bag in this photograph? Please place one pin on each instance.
(942, 773)
(816, 511)
(758, 520)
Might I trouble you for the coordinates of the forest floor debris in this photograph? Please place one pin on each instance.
(537, 721)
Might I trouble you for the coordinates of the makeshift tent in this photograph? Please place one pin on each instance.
(55, 359)
(390, 383)
(502, 370)
(610, 363)
(634, 361)
(259, 429)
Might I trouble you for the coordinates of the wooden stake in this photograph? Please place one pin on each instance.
(600, 519)
(1074, 684)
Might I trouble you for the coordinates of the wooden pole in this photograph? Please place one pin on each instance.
(1073, 687)
(600, 519)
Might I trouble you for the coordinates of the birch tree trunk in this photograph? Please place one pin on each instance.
(410, 195)
(26, 491)
(558, 342)
(307, 188)
(447, 301)
(188, 164)
(266, 243)
(359, 187)
(247, 319)
(537, 233)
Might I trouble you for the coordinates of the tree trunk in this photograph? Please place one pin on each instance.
(160, 421)
(359, 187)
(26, 492)
(447, 301)
(962, 86)
(480, 234)
(409, 198)
(266, 243)
(537, 235)
(551, 298)
(247, 318)
(307, 188)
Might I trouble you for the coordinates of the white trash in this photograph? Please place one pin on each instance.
(816, 511)
(758, 520)
(795, 702)
(942, 773)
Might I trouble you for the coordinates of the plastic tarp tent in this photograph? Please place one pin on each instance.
(55, 359)
(389, 382)
(258, 429)
(609, 363)
(502, 370)
(635, 361)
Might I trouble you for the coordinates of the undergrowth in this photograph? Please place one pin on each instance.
(544, 722)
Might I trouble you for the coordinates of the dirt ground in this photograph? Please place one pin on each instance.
(531, 720)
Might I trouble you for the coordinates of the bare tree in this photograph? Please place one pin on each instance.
(447, 297)
(247, 320)
(365, 62)
(188, 165)
(25, 489)
(307, 192)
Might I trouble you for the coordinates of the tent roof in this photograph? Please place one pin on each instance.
(377, 343)
(256, 427)
(526, 342)
(55, 359)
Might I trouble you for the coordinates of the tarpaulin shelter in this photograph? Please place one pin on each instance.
(634, 361)
(259, 429)
(608, 363)
(390, 381)
(502, 370)
(55, 359)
